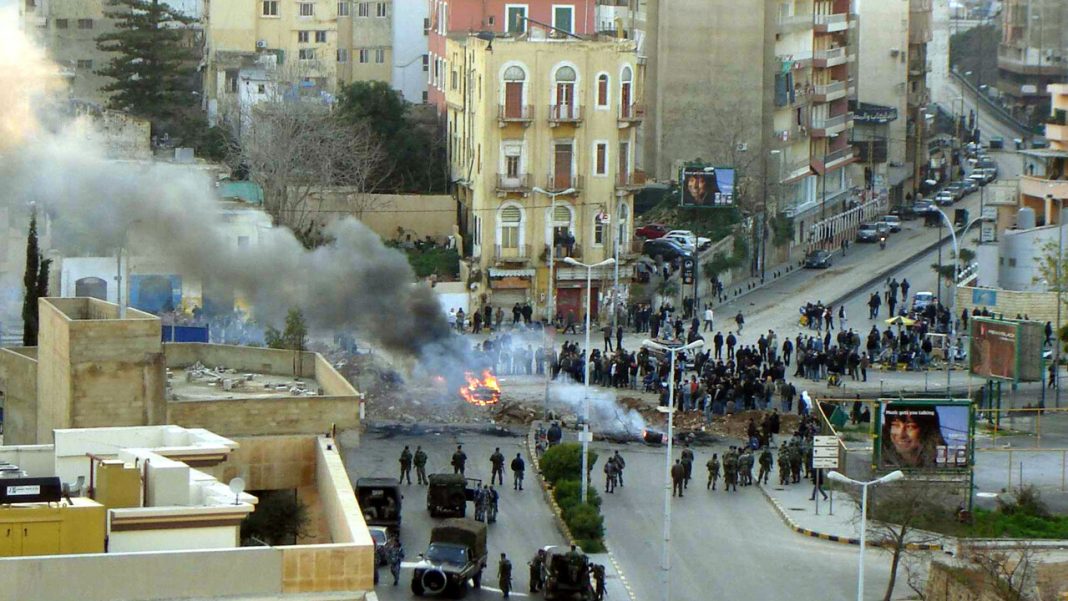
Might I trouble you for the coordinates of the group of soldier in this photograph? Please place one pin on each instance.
(613, 472)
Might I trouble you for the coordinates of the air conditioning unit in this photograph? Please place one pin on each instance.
(261, 44)
(742, 146)
(894, 52)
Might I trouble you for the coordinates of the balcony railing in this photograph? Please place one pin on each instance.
(563, 251)
(518, 253)
(794, 22)
(632, 113)
(836, 22)
(829, 53)
(828, 123)
(523, 113)
(515, 183)
(564, 113)
(562, 181)
(830, 88)
(838, 155)
(630, 179)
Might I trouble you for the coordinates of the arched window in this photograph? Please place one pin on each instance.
(565, 78)
(510, 227)
(625, 103)
(561, 226)
(514, 79)
(602, 90)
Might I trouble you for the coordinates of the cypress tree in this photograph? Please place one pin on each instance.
(30, 281)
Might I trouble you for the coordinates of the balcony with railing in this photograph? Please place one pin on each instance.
(519, 253)
(520, 113)
(830, 57)
(782, 138)
(563, 251)
(630, 180)
(794, 23)
(1057, 126)
(630, 114)
(829, 126)
(831, 91)
(564, 113)
(829, 23)
(833, 160)
(558, 182)
(520, 182)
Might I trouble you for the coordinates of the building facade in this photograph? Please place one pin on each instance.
(1033, 53)
(542, 143)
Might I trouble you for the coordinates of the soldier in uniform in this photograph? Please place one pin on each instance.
(491, 504)
(730, 470)
(687, 464)
(599, 586)
(459, 460)
(406, 464)
(518, 467)
(611, 472)
(745, 467)
(396, 555)
(537, 566)
(806, 456)
(620, 464)
(795, 461)
(765, 466)
(713, 472)
(678, 478)
(497, 460)
(504, 575)
(784, 464)
(420, 465)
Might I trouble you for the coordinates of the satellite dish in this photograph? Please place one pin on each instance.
(237, 486)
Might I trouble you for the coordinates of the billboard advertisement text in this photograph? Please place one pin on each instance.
(707, 187)
(924, 435)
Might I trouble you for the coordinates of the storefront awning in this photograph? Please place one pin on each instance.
(496, 272)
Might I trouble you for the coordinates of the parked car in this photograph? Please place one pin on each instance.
(970, 185)
(945, 198)
(882, 228)
(380, 537)
(997, 142)
(957, 188)
(688, 237)
(818, 259)
(978, 177)
(652, 231)
(923, 207)
(867, 232)
(893, 221)
(921, 300)
(669, 250)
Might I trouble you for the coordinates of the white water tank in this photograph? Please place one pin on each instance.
(1025, 219)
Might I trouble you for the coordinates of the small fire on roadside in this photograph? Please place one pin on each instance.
(652, 437)
(483, 391)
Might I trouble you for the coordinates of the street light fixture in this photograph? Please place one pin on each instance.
(586, 373)
(837, 477)
(665, 558)
(551, 300)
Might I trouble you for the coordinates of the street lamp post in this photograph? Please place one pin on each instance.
(586, 373)
(953, 298)
(665, 557)
(551, 298)
(892, 476)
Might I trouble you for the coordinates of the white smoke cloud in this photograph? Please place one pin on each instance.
(606, 414)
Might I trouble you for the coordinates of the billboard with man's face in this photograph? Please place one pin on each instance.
(924, 434)
(707, 187)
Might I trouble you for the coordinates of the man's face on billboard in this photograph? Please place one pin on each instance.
(905, 434)
(696, 185)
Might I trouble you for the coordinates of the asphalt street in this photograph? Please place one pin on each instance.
(523, 525)
(725, 545)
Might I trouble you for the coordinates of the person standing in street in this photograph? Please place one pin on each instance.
(620, 464)
(536, 566)
(713, 472)
(687, 464)
(610, 476)
(738, 319)
(420, 465)
(607, 338)
(518, 467)
(709, 317)
(396, 556)
(504, 575)
(678, 478)
(459, 460)
(619, 337)
(497, 461)
(406, 465)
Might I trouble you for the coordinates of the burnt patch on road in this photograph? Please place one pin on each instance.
(389, 430)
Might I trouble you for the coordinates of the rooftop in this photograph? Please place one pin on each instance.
(202, 383)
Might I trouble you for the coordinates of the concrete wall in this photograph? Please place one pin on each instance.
(251, 417)
(18, 380)
(35, 460)
(1038, 306)
(328, 378)
(420, 215)
(1019, 255)
(242, 358)
(946, 583)
(133, 541)
(270, 462)
(339, 505)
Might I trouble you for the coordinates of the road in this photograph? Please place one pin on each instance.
(726, 545)
(523, 524)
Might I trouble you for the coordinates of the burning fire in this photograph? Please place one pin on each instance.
(482, 392)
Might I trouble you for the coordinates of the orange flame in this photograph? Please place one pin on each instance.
(482, 392)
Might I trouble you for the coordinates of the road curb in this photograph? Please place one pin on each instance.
(834, 538)
(558, 517)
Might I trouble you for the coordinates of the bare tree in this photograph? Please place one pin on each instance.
(1010, 572)
(733, 139)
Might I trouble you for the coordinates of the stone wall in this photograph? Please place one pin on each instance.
(951, 583)
(252, 417)
(242, 358)
(419, 215)
(18, 381)
(1052, 581)
(1038, 306)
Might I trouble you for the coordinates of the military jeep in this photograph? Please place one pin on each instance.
(448, 494)
(456, 556)
(380, 501)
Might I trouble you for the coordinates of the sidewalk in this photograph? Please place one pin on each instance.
(837, 519)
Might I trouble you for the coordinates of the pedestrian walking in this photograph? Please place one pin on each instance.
(709, 316)
(406, 465)
(620, 464)
(607, 338)
(537, 567)
(817, 485)
(678, 478)
(420, 465)
(504, 575)
(687, 464)
(738, 319)
(713, 472)
(396, 556)
(459, 460)
(765, 465)
(610, 476)
(497, 463)
(518, 467)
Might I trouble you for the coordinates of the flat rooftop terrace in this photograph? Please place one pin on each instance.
(200, 383)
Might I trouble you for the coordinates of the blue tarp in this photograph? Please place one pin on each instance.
(185, 334)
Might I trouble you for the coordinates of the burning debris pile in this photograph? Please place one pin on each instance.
(481, 392)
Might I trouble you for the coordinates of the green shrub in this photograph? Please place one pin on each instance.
(591, 545)
(568, 493)
(564, 462)
(1027, 501)
(585, 522)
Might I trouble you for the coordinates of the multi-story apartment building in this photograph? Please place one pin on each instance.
(494, 16)
(542, 147)
(1033, 53)
(310, 45)
(917, 150)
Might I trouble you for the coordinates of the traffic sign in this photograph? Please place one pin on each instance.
(824, 451)
(825, 441)
(687, 271)
(825, 462)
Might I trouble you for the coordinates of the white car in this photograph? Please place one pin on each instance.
(688, 239)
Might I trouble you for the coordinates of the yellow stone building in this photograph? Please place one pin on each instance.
(542, 144)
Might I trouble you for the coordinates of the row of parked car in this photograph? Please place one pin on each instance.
(668, 243)
(984, 170)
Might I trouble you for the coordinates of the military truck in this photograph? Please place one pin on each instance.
(448, 494)
(380, 502)
(567, 575)
(456, 556)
